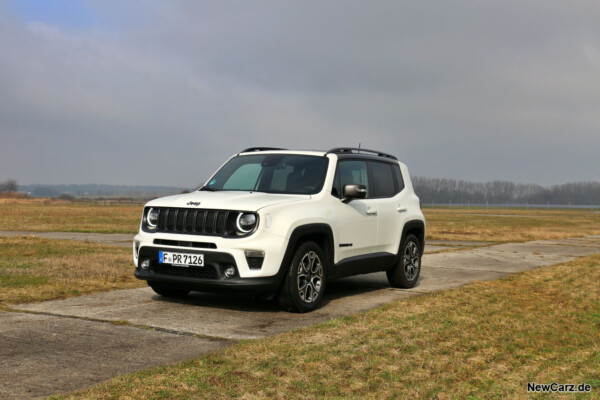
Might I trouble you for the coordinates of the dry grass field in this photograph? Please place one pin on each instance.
(482, 341)
(46, 215)
(475, 224)
(33, 269)
(509, 225)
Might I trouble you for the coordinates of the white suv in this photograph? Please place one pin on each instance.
(283, 223)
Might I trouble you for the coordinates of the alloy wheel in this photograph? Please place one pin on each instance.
(412, 261)
(310, 277)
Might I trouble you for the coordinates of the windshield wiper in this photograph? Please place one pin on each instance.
(208, 189)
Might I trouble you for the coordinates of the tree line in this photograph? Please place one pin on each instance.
(429, 190)
(444, 191)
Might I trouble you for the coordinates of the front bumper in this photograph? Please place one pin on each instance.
(273, 246)
(210, 277)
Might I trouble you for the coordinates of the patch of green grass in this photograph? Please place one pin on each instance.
(482, 341)
(19, 281)
(34, 269)
(595, 317)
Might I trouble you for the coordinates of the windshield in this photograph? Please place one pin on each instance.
(271, 173)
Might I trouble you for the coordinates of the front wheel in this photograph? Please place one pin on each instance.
(405, 273)
(304, 284)
(168, 291)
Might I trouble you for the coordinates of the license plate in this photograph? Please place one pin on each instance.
(181, 259)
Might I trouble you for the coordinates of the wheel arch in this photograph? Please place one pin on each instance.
(417, 228)
(320, 233)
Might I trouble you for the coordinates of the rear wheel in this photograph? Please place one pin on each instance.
(304, 284)
(405, 273)
(168, 291)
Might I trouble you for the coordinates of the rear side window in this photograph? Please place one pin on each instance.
(383, 179)
(399, 179)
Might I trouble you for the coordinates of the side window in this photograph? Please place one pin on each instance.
(351, 172)
(399, 179)
(244, 178)
(383, 179)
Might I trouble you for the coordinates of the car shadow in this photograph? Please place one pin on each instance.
(336, 289)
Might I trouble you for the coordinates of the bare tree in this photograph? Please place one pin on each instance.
(9, 186)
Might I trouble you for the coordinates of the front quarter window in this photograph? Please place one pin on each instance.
(272, 173)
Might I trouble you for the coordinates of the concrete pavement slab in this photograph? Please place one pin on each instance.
(431, 279)
(510, 257)
(42, 355)
(115, 239)
(213, 315)
(457, 243)
(583, 241)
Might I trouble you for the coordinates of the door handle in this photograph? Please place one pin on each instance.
(401, 209)
(372, 211)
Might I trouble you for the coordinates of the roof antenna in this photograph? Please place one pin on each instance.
(359, 147)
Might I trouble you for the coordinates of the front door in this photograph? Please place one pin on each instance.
(356, 221)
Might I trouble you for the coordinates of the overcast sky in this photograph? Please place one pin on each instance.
(161, 93)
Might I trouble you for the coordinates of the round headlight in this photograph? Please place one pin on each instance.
(245, 222)
(152, 217)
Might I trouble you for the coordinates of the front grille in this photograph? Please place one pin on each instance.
(184, 220)
(206, 272)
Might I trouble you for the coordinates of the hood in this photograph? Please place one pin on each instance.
(226, 200)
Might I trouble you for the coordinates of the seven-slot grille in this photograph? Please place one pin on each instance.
(185, 220)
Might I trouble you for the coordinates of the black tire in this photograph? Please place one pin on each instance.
(168, 291)
(405, 273)
(304, 284)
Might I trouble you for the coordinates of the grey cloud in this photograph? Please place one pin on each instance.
(162, 93)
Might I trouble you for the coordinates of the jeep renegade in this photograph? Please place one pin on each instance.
(284, 223)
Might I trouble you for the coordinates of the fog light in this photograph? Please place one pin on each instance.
(146, 264)
(230, 271)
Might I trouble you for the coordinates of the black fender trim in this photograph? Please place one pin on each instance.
(322, 234)
(416, 227)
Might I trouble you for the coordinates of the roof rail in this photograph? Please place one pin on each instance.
(251, 149)
(357, 150)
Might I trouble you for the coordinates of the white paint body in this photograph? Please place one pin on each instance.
(371, 225)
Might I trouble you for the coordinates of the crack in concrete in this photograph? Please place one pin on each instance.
(470, 269)
(120, 323)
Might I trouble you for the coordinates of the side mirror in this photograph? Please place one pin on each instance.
(352, 192)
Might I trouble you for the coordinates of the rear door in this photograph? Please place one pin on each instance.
(387, 189)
